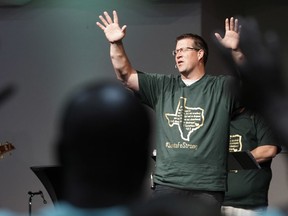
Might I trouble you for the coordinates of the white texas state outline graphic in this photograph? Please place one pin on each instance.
(188, 119)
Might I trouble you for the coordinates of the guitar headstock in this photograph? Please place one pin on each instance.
(5, 148)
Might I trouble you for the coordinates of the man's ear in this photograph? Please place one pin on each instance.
(200, 54)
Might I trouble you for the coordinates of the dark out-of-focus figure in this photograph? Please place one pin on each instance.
(102, 148)
(104, 135)
(263, 81)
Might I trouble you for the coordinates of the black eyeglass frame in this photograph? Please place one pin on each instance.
(183, 49)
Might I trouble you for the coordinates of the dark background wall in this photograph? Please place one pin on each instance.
(50, 47)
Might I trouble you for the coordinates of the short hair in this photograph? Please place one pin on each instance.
(199, 43)
(104, 136)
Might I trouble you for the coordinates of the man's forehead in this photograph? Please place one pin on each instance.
(185, 42)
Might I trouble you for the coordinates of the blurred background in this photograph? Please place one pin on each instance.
(50, 47)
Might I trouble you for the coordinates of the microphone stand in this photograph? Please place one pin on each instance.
(30, 199)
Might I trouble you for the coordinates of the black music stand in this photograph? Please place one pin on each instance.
(50, 177)
(242, 160)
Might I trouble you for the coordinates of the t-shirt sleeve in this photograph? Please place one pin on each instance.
(150, 86)
(264, 133)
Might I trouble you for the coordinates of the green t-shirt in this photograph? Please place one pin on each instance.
(192, 129)
(249, 188)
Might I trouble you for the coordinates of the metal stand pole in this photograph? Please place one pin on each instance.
(30, 199)
(30, 203)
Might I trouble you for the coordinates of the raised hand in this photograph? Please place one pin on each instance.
(232, 34)
(260, 73)
(111, 28)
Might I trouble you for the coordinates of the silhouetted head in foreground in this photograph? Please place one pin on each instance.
(103, 146)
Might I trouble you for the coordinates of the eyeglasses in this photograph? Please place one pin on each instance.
(184, 49)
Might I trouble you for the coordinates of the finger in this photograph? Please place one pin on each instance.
(123, 29)
(232, 24)
(226, 24)
(103, 20)
(100, 26)
(108, 18)
(217, 35)
(236, 25)
(115, 17)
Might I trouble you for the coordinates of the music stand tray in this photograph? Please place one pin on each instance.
(242, 160)
(50, 177)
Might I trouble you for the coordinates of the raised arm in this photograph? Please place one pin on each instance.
(114, 34)
(231, 39)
